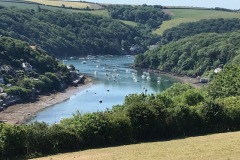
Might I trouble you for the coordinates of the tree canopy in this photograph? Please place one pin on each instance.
(193, 55)
(203, 26)
(151, 16)
(71, 34)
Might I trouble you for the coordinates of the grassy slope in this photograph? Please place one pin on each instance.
(34, 6)
(216, 146)
(60, 3)
(192, 15)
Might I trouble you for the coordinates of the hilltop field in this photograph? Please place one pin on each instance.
(192, 15)
(217, 146)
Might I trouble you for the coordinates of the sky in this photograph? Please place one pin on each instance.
(230, 4)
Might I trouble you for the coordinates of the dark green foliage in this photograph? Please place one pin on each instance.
(142, 120)
(213, 116)
(62, 140)
(64, 34)
(177, 89)
(232, 111)
(203, 26)
(179, 111)
(226, 83)
(192, 97)
(193, 56)
(19, 91)
(14, 140)
(151, 16)
(15, 52)
(47, 73)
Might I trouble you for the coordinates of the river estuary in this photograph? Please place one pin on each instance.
(113, 79)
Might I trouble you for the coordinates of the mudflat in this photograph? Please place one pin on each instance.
(19, 113)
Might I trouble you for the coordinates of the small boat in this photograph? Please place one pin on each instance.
(143, 76)
(148, 78)
(84, 62)
(100, 101)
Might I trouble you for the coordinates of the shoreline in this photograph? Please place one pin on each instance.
(185, 79)
(22, 112)
(182, 78)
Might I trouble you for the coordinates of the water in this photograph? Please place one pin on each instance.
(113, 80)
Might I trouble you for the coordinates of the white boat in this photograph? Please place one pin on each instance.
(148, 78)
(84, 62)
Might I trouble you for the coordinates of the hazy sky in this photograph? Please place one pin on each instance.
(230, 4)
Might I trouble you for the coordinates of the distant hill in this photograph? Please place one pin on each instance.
(71, 34)
(184, 15)
(193, 55)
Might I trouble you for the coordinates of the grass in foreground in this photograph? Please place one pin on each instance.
(216, 146)
(192, 15)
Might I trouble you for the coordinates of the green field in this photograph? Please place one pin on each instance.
(130, 23)
(217, 146)
(59, 3)
(192, 15)
(35, 6)
(96, 12)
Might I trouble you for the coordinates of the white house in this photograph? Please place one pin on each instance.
(27, 66)
(217, 70)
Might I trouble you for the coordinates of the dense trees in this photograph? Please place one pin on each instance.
(194, 55)
(151, 16)
(203, 26)
(179, 111)
(226, 83)
(47, 73)
(63, 34)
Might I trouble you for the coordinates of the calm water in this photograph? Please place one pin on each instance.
(113, 80)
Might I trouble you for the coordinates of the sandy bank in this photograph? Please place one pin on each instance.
(19, 113)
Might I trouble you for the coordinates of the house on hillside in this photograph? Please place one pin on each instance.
(34, 47)
(135, 49)
(27, 66)
(217, 70)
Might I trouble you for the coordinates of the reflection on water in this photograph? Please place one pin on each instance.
(113, 80)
